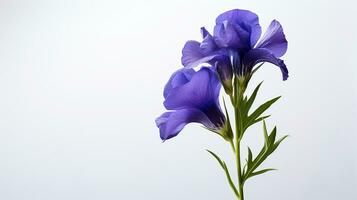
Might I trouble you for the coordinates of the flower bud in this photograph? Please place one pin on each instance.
(225, 73)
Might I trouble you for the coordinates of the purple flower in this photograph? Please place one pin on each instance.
(191, 97)
(234, 45)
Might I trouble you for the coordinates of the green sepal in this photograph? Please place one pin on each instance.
(213, 130)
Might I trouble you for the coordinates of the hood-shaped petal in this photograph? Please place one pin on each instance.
(208, 45)
(202, 89)
(178, 78)
(274, 39)
(171, 123)
(229, 36)
(244, 22)
(193, 55)
(259, 55)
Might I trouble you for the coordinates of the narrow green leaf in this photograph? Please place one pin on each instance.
(262, 109)
(263, 154)
(224, 166)
(245, 168)
(229, 127)
(252, 98)
(260, 119)
(260, 172)
(216, 157)
(276, 144)
(230, 181)
(256, 69)
(269, 147)
(266, 137)
(250, 157)
(225, 107)
(272, 136)
(255, 121)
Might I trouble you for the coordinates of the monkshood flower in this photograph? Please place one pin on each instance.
(234, 46)
(192, 97)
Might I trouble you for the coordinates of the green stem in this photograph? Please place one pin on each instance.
(237, 101)
(232, 145)
(237, 151)
(240, 181)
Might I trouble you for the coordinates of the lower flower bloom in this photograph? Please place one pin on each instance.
(191, 97)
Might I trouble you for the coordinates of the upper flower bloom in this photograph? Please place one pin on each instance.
(235, 43)
(192, 97)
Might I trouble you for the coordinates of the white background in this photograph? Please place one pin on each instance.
(81, 85)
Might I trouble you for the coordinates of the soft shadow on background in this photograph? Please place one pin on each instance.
(81, 84)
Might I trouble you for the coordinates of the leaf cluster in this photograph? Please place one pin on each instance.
(247, 118)
(270, 145)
